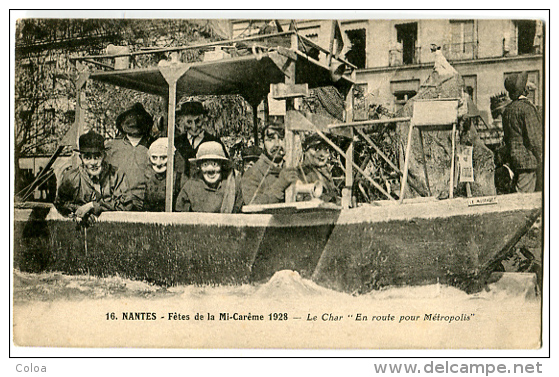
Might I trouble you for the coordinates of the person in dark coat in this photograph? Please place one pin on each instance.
(262, 183)
(191, 134)
(214, 187)
(156, 176)
(315, 167)
(249, 156)
(523, 136)
(129, 150)
(95, 185)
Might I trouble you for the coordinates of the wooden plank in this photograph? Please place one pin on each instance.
(452, 162)
(424, 161)
(289, 139)
(406, 165)
(370, 122)
(282, 91)
(184, 48)
(346, 191)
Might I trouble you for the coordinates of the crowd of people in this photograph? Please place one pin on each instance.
(129, 173)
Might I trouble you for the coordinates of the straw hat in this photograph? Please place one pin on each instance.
(210, 150)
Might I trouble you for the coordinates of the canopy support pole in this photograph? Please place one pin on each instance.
(171, 74)
(80, 113)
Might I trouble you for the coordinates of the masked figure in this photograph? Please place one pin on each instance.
(156, 177)
(190, 134)
(214, 186)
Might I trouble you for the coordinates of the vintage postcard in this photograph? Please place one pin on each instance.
(335, 183)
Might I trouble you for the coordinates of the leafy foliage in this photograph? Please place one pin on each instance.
(44, 77)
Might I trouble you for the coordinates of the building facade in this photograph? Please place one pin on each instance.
(394, 56)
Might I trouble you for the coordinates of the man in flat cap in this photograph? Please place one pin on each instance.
(315, 167)
(129, 150)
(523, 136)
(266, 181)
(190, 133)
(95, 185)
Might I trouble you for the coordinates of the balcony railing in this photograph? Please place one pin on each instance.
(398, 57)
(460, 51)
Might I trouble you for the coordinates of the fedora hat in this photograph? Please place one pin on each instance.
(142, 124)
(191, 108)
(91, 142)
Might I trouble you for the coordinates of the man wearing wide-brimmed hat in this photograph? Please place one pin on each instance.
(95, 185)
(523, 136)
(214, 186)
(191, 133)
(129, 150)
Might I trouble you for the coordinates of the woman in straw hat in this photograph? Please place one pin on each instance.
(214, 187)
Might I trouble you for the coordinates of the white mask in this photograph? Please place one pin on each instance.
(211, 171)
(158, 163)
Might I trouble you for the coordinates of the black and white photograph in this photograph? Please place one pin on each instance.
(279, 181)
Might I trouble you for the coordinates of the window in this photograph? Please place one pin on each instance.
(70, 116)
(403, 91)
(525, 35)
(357, 53)
(463, 44)
(48, 116)
(406, 34)
(470, 82)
